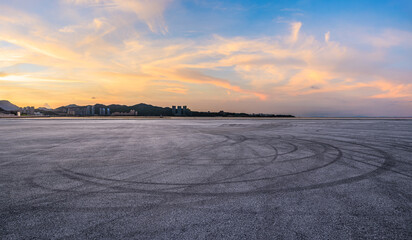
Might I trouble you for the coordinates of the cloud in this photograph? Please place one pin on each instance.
(19, 78)
(295, 28)
(95, 25)
(391, 90)
(327, 37)
(175, 90)
(193, 76)
(389, 38)
(103, 55)
(67, 29)
(148, 11)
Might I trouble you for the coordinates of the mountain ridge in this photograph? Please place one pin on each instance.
(145, 109)
(6, 105)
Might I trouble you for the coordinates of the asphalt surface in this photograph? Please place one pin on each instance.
(205, 179)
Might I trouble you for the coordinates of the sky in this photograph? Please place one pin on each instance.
(306, 57)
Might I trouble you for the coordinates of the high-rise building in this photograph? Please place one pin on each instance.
(102, 111)
(130, 113)
(88, 110)
(27, 110)
(180, 111)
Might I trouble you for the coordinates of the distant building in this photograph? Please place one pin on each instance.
(131, 113)
(77, 111)
(81, 111)
(89, 110)
(180, 111)
(27, 110)
(71, 112)
(104, 111)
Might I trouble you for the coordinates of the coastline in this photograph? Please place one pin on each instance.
(200, 118)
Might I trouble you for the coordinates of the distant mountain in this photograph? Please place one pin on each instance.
(72, 105)
(144, 109)
(8, 106)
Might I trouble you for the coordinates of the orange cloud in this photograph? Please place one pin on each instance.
(150, 12)
(295, 28)
(175, 90)
(192, 76)
(391, 90)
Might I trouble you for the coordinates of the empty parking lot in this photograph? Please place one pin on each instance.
(187, 179)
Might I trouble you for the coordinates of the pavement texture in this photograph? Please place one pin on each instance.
(205, 179)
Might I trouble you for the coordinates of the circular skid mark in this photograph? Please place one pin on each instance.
(240, 164)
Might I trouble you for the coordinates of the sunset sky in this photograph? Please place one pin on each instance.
(307, 58)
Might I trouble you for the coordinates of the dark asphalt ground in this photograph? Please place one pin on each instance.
(205, 179)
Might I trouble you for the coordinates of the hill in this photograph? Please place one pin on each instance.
(144, 109)
(8, 106)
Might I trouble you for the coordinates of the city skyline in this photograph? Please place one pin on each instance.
(307, 58)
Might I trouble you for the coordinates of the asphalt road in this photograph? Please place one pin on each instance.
(205, 179)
